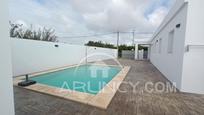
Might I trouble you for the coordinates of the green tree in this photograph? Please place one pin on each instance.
(45, 34)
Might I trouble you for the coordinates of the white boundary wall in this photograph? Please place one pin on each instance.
(98, 54)
(6, 84)
(29, 56)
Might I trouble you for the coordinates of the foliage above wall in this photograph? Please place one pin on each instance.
(107, 45)
(100, 44)
(17, 31)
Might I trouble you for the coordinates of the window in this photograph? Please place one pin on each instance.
(171, 41)
(160, 45)
(155, 47)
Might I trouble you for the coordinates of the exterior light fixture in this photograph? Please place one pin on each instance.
(178, 25)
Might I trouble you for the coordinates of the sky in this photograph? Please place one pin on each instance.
(74, 19)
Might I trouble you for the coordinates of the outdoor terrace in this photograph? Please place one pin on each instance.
(130, 103)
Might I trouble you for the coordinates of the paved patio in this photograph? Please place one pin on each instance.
(130, 103)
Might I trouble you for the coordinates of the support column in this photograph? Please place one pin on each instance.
(136, 51)
(148, 56)
(118, 38)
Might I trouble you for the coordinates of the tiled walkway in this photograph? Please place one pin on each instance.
(138, 102)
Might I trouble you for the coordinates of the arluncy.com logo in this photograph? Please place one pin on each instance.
(149, 87)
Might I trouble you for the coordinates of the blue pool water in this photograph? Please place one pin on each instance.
(86, 78)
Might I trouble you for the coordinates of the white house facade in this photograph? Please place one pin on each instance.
(177, 47)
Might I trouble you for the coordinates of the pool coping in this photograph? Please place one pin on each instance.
(101, 100)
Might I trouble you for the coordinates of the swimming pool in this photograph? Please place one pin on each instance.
(96, 84)
(85, 78)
